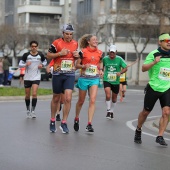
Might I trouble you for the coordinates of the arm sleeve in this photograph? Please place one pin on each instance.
(22, 62)
(43, 59)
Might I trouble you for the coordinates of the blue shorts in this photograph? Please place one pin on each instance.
(86, 83)
(62, 82)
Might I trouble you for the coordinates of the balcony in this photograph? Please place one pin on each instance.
(42, 2)
(40, 29)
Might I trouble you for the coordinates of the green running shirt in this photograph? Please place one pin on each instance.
(111, 67)
(159, 74)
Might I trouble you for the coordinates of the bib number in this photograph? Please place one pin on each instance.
(112, 76)
(91, 71)
(66, 65)
(164, 73)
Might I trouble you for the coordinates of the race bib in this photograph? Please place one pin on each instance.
(91, 71)
(112, 77)
(66, 65)
(164, 73)
(122, 77)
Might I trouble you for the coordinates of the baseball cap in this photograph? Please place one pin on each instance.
(112, 48)
(67, 28)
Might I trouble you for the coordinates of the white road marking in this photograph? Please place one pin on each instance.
(130, 125)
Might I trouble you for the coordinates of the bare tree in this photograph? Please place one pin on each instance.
(138, 26)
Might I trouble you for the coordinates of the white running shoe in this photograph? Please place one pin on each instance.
(28, 114)
(33, 114)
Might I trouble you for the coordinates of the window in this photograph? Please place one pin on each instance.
(123, 4)
(102, 6)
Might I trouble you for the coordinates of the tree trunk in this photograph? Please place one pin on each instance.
(138, 70)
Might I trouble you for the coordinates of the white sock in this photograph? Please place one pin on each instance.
(108, 105)
(113, 107)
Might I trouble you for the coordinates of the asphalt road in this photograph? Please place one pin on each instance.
(27, 144)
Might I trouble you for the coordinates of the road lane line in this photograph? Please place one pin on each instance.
(130, 125)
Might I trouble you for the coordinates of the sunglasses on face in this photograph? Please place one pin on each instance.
(34, 46)
(166, 40)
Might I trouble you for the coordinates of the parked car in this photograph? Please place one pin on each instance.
(15, 71)
(44, 74)
(77, 74)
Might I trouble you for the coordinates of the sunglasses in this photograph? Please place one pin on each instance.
(166, 40)
(34, 46)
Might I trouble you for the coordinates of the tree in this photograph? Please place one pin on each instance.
(11, 42)
(139, 26)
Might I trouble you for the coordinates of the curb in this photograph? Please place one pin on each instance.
(156, 124)
(43, 97)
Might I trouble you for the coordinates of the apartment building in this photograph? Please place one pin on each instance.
(126, 23)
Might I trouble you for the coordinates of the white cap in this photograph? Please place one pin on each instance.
(68, 28)
(113, 48)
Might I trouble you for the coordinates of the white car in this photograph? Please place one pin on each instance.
(15, 71)
(77, 74)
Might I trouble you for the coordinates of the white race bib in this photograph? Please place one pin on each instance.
(112, 77)
(66, 65)
(164, 73)
(91, 71)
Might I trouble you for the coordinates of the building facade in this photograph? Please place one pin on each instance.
(128, 24)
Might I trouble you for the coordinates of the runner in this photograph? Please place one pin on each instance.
(90, 57)
(64, 52)
(33, 61)
(112, 65)
(157, 63)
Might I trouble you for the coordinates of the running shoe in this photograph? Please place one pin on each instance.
(137, 138)
(64, 128)
(60, 107)
(161, 141)
(33, 115)
(52, 127)
(58, 117)
(108, 115)
(89, 128)
(111, 115)
(28, 114)
(76, 125)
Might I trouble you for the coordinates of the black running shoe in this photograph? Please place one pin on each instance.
(89, 128)
(60, 107)
(161, 141)
(111, 115)
(137, 138)
(108, 115)
(58, 117)
(76, 125)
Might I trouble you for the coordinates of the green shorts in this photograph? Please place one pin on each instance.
(86, 83)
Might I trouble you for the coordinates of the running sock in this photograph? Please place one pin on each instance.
(113, 106)
(34, 102)
(139, 129)
(76, 119)
(108, 104)
(63, 121)
(89, 123)
(52, 119)
(27, 102)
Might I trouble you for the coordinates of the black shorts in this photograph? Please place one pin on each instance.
(21, 75)
(28, 83)
(62, 82)
(152, 96)
(123, 83)
(114, 87)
